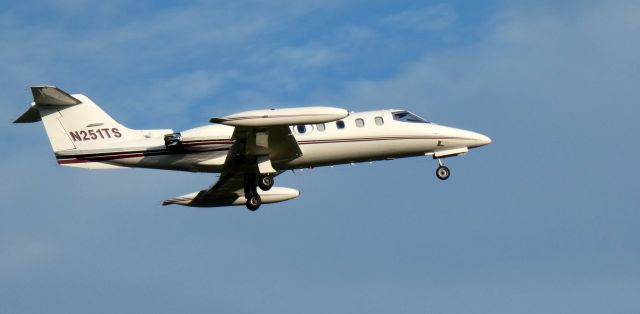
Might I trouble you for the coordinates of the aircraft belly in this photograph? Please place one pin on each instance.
(196, 162)
(323, 153)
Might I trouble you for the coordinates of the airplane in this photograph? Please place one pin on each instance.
(249, 149)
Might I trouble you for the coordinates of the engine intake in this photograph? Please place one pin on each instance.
(173, 141)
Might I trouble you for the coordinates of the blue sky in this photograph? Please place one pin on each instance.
(543, 220)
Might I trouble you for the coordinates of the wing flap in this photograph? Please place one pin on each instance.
(282, 144)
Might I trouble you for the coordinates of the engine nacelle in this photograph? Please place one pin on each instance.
(274, 195)
(173, 141)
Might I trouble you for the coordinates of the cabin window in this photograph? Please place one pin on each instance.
(405, 116)
(301, 129)
(320, 127)
(359, 122)
(379, 121)
(340, 124)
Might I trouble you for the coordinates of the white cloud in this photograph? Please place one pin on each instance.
(34, 52)
(288, 68)
(312, 55)
(188, 87)
(166, 102)
(358, 33)
(543, 60)
(430, 18)
(195, 41)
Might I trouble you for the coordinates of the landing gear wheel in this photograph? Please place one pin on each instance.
(250, 192)
(265, 182)
(443, 173)
(254, 202)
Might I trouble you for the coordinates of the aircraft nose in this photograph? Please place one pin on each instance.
(480, 140)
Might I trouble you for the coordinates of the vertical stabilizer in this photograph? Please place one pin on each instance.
(81, 133)
(74, 123)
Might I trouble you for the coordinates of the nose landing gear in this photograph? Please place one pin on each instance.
(442, 172)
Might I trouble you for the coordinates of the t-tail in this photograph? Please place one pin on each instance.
(76, 126)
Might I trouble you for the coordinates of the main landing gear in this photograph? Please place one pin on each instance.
(265, 182)
(442, 172)
(251, 183)
(251, 193)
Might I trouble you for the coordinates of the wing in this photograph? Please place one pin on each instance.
(228, 191)
(242, 159)
(255, 145)
(261, 136)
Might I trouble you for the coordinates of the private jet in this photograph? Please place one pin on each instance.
(248, 149)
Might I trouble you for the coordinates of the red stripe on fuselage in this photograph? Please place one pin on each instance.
(112, 156)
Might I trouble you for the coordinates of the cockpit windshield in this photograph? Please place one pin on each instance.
(406, 116)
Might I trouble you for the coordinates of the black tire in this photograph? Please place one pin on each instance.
(265, 182)
(443, 173)
(254, 202)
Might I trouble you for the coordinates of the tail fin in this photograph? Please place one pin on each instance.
(75, 123)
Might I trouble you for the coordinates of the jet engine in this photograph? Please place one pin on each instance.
(173, 141)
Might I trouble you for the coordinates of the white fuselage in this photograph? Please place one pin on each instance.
(247, 148)
(366, 136)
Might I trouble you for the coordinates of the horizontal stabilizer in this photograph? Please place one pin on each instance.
(31, 115)
(283, 116)
(51, 95)
(45, 95)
